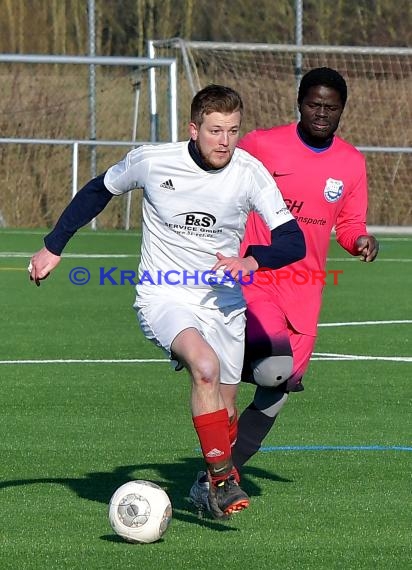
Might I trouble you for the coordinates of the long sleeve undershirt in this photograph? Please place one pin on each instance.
(85, 206)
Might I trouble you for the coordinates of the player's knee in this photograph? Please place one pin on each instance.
(206, 369)
(272, 371)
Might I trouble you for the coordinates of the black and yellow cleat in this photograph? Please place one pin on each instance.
(226, 498)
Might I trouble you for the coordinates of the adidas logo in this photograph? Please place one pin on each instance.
(214, 453)
(168, 184)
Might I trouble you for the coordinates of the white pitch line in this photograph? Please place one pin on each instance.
(395, 238)
(364, 323)
(316, 356)
(402, 231)
(332, 358)
(120, 233)
(86, 361)
(18, 254)
(329, 355)
(381, 259)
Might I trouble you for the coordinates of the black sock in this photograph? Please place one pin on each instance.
(253, 427)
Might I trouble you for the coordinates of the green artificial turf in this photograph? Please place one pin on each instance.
(331, 488)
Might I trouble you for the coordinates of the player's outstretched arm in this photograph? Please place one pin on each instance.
(368, 247)
(86, 205)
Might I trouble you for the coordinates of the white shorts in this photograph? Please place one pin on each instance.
(223, 329)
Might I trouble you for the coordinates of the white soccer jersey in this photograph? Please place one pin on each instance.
(190, 214)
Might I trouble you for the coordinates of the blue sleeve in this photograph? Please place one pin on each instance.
(85, 206)
(287, 246)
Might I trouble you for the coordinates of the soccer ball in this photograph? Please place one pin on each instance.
(140, 511)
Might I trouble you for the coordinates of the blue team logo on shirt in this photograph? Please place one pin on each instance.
(333, 190)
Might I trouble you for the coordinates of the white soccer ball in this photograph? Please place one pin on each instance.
(140, 511)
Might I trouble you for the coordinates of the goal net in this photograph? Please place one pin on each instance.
(378, 117)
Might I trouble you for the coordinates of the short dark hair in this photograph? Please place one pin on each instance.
(323, 76)
(215, 98)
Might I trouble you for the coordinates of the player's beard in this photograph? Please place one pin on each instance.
(216, 159)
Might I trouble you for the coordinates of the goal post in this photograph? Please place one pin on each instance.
(377, 120)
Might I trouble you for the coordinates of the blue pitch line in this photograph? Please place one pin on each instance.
(335, 448)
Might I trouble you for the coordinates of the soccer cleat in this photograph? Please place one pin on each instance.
(199, 493)
(226, 498)
(220, 500)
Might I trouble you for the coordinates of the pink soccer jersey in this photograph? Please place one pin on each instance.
(322, 190)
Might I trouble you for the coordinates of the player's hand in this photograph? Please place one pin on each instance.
(368, 247)
(41, 264)
(238, 267)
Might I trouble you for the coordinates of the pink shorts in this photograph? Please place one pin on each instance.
(269, 333)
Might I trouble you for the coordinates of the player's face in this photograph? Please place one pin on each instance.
(216, 138)
(320, 112)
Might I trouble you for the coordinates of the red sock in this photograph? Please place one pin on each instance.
(233, 428)
(213, 433)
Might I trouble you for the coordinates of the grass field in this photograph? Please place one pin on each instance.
(330, 490)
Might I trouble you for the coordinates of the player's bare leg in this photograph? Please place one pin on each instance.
(211, 421)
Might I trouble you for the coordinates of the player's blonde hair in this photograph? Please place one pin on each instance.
(215, 98)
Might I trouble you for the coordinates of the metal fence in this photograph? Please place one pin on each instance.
(48, 104)
(46, 111)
